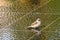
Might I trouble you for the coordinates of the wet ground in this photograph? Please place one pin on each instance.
(20, 14)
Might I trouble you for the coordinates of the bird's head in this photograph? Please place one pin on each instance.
(38, 19)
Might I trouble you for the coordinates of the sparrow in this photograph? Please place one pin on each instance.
(35, 25)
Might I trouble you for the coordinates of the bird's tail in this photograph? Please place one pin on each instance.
(30, 28)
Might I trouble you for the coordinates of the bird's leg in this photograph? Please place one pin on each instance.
(37, 28)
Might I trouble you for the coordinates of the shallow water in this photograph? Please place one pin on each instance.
(14, 19)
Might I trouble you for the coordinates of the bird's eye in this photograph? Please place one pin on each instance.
(38, 20)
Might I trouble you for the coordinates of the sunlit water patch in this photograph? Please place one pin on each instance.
(7, 34)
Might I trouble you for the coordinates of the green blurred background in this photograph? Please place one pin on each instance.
(21, 13)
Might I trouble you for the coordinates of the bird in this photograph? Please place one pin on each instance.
(34, 27)
(35, 24)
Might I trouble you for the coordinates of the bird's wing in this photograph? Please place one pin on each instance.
(34, 23)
